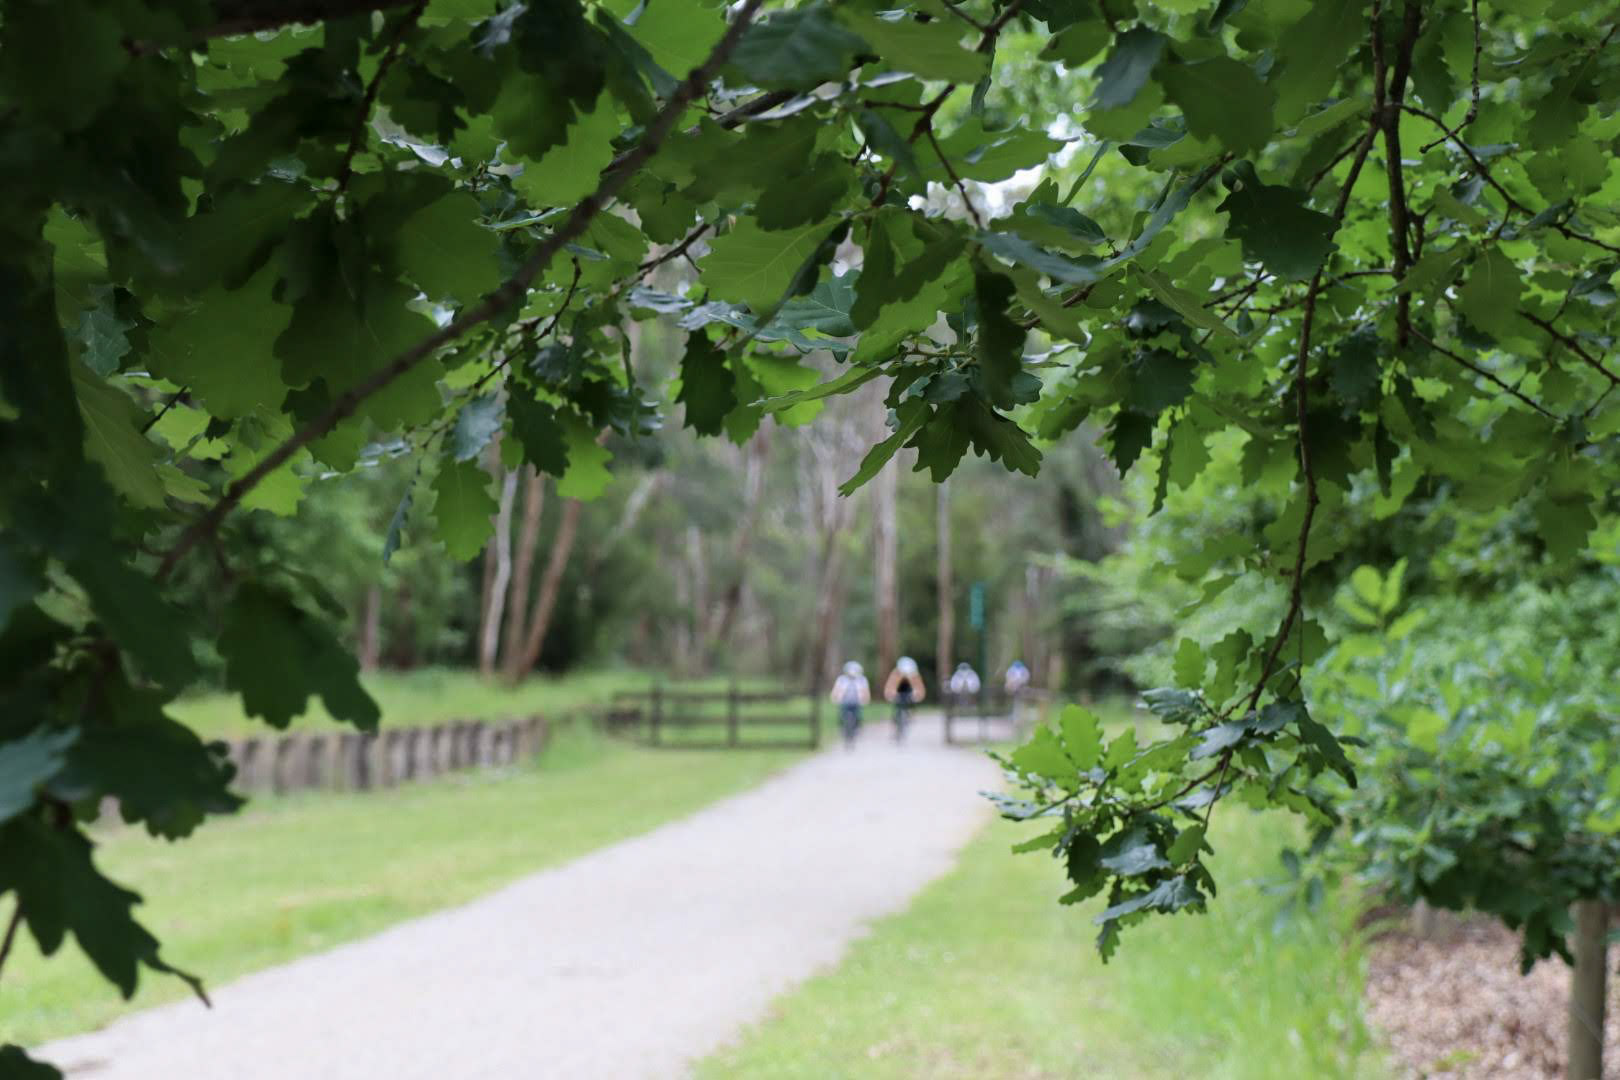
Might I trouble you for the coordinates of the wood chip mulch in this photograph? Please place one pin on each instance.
(1453, 1004)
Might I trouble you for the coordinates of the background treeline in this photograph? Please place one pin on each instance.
(708, 556)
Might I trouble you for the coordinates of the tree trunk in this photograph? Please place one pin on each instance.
(885, 577)
(495, 595)
(1587, 991)
(946, 586)
(371, 629)
(517, 612)
(545, 603)
(723, 615)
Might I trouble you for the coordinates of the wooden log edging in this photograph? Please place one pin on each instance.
(375, 761)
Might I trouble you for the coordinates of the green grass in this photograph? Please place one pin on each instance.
(295, 875)
(987, 976)
(431, 695)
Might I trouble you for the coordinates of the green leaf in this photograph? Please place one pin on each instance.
(160, 772)
(566, 173)
(587, 476)
(708, 388)
(342, 338)
(846, 383)
(911, 418)
(999, 343)
(1276, 228)
(223, 348)
(463, 508)
(536, 427)
(1169, 895)
(753, 266)
(1183, 303)
(1313, 53)
(1082, 736)
(930, 50)
(825, 309)
(1043, 756)
(396, 524)
(476, 425)
(17, 1065)
(1490, 297)
(678, 33)
(1130, 62)
(1216, 740)
(277, 656)
(102, 335)
(113, 439)
(60, 891)
(1190, 664)
(1324, 742)
(801, 48)
(444, 249)
(1121, 749)
(26, 764)
(1016, 249)
(1132, 852)
(1186, 847)
(1221, 99)
(1129, 434)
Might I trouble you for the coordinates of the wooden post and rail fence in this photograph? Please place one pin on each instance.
(669, 717)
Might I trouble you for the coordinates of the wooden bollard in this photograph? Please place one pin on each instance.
(455, 752)
(281, 763)
(410, 751)
(315, 763)
(346, 777)
(366, 762)
(245, 756)
(392, 768)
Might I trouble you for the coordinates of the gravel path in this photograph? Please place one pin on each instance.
(630, 962)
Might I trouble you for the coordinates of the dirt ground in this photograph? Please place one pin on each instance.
(1453, 1004)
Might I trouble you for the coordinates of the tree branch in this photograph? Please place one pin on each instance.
(357, 134)
(251, 16)
(11, 933)
(1389, 113)
(1482, 373)
(1573, 346)
(509, 293)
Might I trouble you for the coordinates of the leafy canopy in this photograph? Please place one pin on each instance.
(1372, 243)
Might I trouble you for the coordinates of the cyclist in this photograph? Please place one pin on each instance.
(850, 692)
(904, 689)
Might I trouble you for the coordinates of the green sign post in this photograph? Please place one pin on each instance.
(976, 620)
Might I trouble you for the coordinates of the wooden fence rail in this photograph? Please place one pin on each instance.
(993, 714)
(662, 717)
(356, 761)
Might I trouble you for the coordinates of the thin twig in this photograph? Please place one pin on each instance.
(167, 405)
(1482, 373)
(1473, 98)
(951, 6)
(357, 134)
(1573, 346)
(509, 293)
(673, 253)
(1388, 108)
(11, 932)
(950, 171)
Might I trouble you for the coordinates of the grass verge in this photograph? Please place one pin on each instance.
(987, 976)
(294, 875)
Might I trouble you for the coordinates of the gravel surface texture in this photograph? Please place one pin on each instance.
(630, 962)
(1453, 1004)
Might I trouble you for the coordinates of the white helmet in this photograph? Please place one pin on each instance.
(852, 669)
(906, 666)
